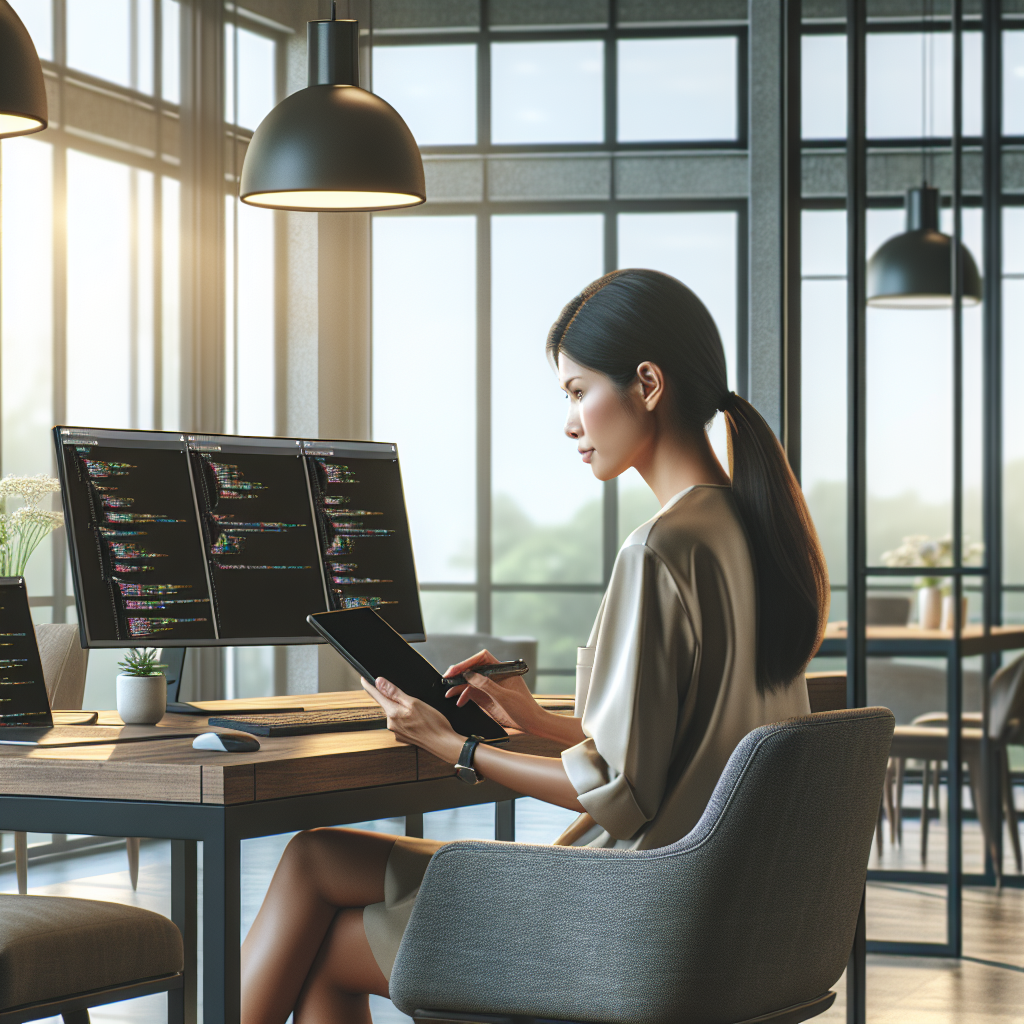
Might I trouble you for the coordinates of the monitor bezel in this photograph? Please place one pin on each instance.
(90, 642)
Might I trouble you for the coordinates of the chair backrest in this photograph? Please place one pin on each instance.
(754, 911)
(761, 905)
(64, 664)
(1006, 702)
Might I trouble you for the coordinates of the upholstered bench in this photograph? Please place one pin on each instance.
(61, 956)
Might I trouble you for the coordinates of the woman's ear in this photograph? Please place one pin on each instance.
(652, 384)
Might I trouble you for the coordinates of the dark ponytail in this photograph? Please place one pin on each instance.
(631, 316)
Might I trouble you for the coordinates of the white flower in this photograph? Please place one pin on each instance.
(32, 488)
(29, 515)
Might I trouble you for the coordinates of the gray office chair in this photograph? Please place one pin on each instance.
(750, 917)
(62, 956)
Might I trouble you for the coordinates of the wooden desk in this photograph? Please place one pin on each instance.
(166, 790)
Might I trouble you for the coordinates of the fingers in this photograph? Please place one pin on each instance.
(387, 695)
(454, 691)
(480, 658)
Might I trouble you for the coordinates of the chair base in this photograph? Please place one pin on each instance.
(76, 1007)
(788, 1015)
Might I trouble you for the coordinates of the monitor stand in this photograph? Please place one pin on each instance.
(174, 659)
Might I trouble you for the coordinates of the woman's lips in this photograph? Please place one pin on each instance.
(586, 453)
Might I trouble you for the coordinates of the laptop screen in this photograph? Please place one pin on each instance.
(23, 699)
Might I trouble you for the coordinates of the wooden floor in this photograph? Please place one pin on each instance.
(986, 987)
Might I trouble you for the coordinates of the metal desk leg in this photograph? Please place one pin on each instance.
(221, 928)
(505, 821)
(181, 1002)
(856, 973)
(414, 825)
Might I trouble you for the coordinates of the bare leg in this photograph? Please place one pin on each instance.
(343, 972)
(322, 872)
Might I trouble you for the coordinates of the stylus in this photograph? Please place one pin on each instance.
(502, 668)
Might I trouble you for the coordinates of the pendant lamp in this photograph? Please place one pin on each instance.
(333, 146)
(913, 270)
(22, 92)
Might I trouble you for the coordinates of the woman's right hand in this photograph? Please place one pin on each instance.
(506, 699)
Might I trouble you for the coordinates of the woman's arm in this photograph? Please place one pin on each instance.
(415, 722)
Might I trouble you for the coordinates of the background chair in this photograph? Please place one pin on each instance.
(926, 739)
(62, 956)
(64, 668)
(751, 914)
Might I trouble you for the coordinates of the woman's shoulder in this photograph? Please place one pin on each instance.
(703, 517)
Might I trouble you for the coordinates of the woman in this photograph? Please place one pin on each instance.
(713, 610)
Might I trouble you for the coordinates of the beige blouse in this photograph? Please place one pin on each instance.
(666, 684)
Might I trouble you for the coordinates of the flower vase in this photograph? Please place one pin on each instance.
(141, 700)
(929, 607)
(947, 612)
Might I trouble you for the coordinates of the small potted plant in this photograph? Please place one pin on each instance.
(141, 687)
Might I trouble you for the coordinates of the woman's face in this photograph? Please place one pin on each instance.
(611, 429)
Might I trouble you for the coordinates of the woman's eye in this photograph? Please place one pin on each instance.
(579, 396)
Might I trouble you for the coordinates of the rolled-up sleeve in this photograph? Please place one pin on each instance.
(643, 666)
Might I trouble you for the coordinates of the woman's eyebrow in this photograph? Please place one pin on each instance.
(565, 384)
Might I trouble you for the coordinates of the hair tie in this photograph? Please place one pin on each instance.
(728, 402)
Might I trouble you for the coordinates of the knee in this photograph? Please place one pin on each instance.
(307, 851)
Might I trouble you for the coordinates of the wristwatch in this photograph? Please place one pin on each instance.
(464, 768)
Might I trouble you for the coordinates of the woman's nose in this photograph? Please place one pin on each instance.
(572, 427)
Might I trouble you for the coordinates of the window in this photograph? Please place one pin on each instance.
(909, 81)
(513, 534)
(678, 89)
(547, 92)
(435, 89)
(92, 303)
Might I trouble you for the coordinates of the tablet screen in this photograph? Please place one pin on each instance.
(374, 649)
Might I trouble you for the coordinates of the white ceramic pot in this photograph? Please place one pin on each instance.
(929, 607)
(141, 700)
(947, 611)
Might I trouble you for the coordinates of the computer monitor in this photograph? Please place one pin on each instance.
(192, 540)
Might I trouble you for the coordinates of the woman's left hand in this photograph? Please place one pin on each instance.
(413, 721)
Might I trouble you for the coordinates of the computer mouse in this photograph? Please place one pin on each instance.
(231, 742)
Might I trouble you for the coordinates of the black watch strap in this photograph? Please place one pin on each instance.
(464, 768)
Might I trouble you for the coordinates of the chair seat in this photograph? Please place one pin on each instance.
(52, 947)
(929, 742)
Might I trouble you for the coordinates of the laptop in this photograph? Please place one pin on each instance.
(25, 715)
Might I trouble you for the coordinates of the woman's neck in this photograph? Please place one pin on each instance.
(674, 462)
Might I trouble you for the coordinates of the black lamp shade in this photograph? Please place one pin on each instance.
(914, 270)
(22, 92)
(333, 146)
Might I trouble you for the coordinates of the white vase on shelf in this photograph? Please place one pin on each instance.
(929, 607)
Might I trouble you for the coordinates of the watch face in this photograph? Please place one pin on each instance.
(467, 775)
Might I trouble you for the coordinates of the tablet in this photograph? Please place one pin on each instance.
(374, 649)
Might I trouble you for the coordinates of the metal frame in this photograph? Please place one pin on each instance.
(221, 829)
(87, 1000)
